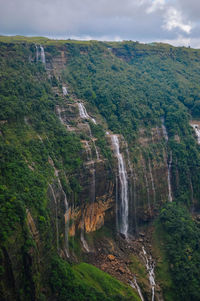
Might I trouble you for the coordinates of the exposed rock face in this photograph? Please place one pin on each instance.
(146, 169)
(32, 226)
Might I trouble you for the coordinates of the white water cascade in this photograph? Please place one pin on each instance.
(37, 53)
(196, 127)
(59, 114)
(93, 141)
(169, 177)
(150, 269)
(164, 130)
(42, 55)
(66, 215)
(135, 285)
(123, 206)
(84, 242)
(64, 90)
(169, 164)
(92, 170)
(83, 113)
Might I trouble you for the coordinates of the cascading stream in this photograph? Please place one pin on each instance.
(135, 285)
(196, 127)
(84, 242)
(93, 141)
(123, 206)
(66, 215)
(169, 177)
(37, 53)
(169, 164)
(92, 194)
(42, 55)
(64, 90)
(83, 113)
(150, 269)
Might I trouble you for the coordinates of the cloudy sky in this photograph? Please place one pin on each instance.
(173, 21)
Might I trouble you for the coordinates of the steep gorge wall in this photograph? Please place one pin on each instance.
(146, 164)
(150, 169)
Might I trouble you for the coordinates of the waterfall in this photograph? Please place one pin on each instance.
(37, 53)
(152, 182)
(150, 269)
(59, 114)
(135, 285)
(169, 164)
(66, 214)
(169, 177)
(83, 113)
(84, 242)
(57, 231)
(196, 127)
(42, 55)
(64, 90)
(92, 170)
(93, 141)
(123, 208)
(92, 194)
(164, 130)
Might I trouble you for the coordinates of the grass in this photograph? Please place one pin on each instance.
(162, 265)
(103, 283)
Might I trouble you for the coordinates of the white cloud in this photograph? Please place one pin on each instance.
(156, 5)
(174, 19)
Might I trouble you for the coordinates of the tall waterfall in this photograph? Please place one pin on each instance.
(83, 113)
(92, 170)
(169, 164)
(150, 269)
(123, 206)
(66, 215)
(42, 55)
(92, 194)
(169, 171)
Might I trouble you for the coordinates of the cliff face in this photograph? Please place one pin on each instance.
(103, 179)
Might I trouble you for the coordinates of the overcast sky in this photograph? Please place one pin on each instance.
(173, 21)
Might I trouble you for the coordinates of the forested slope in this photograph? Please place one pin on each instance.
(59, 182)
